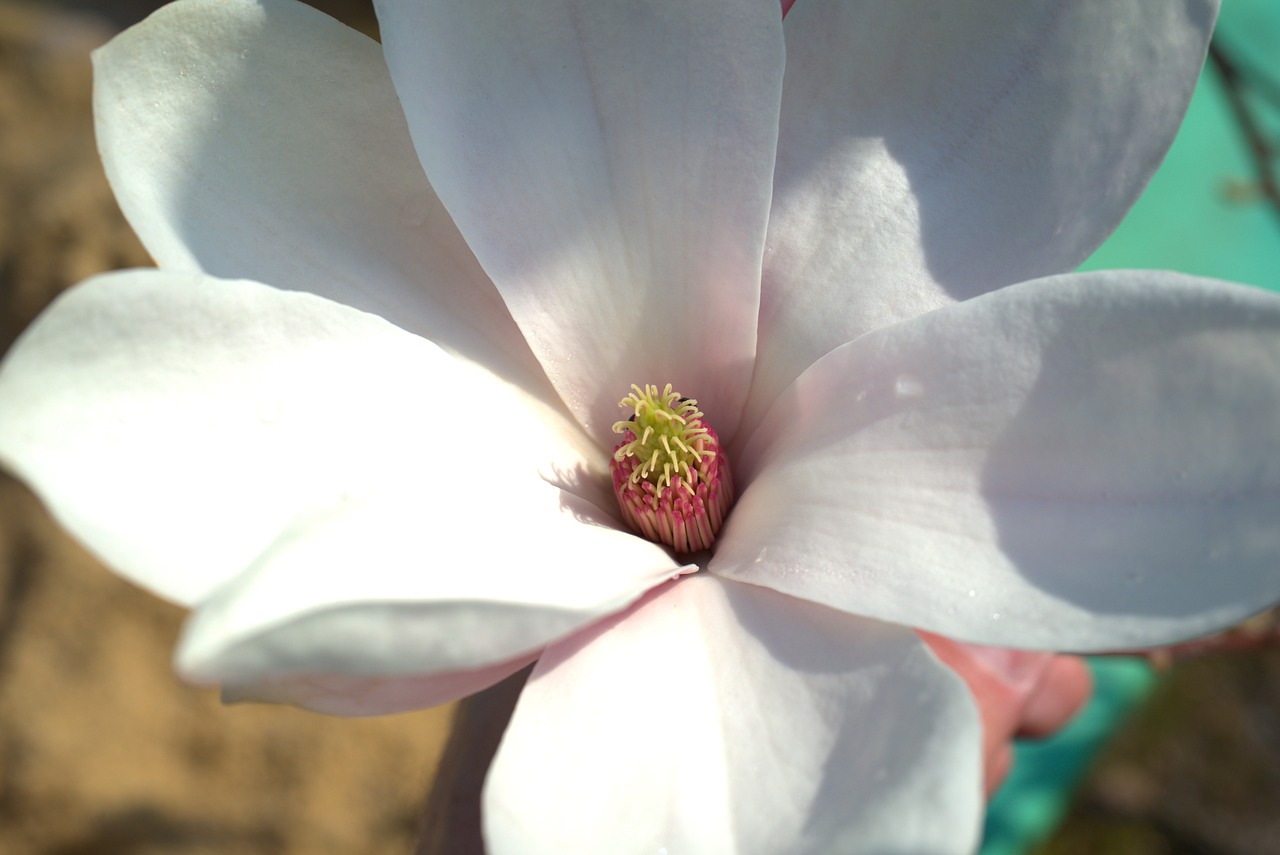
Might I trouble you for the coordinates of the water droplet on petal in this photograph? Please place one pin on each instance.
(995, 616)
(972, 592)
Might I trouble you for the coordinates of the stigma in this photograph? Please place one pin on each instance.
(669, 472)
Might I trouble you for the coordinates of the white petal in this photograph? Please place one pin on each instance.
(1081, 462)
(442, 574)
(264, 141)
(933, 151)
(610, 165)
(361, 695)
(178, 424)
(726, 718)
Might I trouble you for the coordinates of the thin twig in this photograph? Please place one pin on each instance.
(1258, 632)
(1259, 148)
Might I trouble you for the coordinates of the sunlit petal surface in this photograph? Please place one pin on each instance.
(1084, 462)
(360, 418)
(622, 223)
(933, 151)
(721, 717)
(251, 408)
(264, 141)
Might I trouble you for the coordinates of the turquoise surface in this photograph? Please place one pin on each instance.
(1201, 214)
(1038, 790)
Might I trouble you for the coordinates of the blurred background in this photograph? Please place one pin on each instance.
(103, 751)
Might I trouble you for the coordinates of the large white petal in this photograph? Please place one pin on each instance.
(178, 424)
(264, 141)
(932, 151)
(610, 164)
(456, 568)
(1081, 462)
(726, 718)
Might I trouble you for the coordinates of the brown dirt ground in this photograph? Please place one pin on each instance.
(103, 751)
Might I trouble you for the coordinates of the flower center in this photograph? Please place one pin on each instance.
(669, 473)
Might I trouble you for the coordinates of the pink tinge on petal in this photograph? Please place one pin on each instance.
(786, 6)
(1019, 693)
(1018, 669)
(1001, 681)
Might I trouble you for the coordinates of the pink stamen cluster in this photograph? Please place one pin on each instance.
(669, 472)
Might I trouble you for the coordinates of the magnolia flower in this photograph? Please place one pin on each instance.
(361, 419)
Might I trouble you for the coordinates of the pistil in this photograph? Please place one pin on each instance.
(669, 472)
